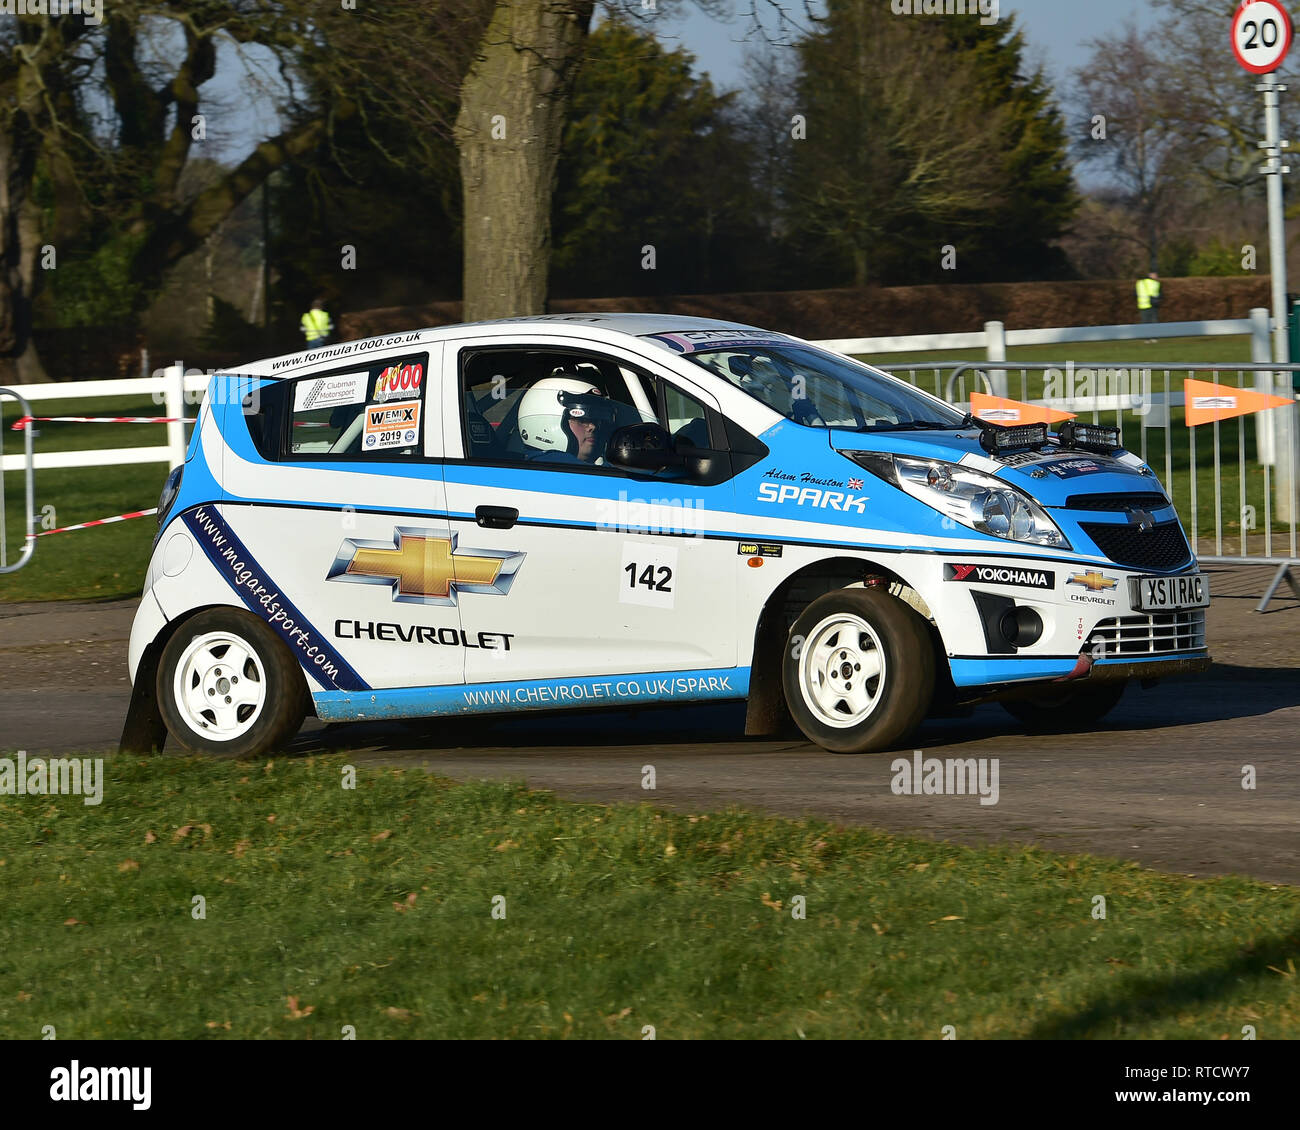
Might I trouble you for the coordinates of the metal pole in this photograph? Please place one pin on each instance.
(1286, 423)
(1274, 170)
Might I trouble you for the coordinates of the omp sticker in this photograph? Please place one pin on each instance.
(391, 425)
(329, 392)
(648, 575)
(398, 380)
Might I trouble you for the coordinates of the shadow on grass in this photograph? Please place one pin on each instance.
(1134, 1001)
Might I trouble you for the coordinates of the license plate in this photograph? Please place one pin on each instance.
(1159, 594)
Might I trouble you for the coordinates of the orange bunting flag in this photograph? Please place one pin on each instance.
(999, 410)
(1207, 401)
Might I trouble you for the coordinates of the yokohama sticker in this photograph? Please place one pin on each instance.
(1000, 575)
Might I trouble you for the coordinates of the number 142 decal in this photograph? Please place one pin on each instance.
(657, 578)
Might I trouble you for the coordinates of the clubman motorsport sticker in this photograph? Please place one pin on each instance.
(330, 392)
(392, 425)
(1000, 575)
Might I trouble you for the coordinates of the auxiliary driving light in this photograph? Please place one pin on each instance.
(1089, 437)
(998, 440)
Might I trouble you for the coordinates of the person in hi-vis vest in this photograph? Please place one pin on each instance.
(316, 325)
(1148, 296)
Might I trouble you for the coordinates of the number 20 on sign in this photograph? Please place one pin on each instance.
(1261, 35)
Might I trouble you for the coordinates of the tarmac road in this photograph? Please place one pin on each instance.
(1158, 782)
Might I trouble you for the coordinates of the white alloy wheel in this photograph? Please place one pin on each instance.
(842, 670)
(220, 686)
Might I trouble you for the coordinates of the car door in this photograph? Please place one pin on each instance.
(358, 535)
(604, 572)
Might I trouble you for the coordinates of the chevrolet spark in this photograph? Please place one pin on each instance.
(585, 511)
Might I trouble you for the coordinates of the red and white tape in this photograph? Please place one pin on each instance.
(18, 425)
(22, 421)
(101, 521)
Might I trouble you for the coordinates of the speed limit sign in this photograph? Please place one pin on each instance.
(1261, 35)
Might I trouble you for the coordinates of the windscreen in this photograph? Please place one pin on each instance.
(824, 390)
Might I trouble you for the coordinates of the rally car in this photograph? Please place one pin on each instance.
(585, 511)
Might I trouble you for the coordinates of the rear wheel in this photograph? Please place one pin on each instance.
(1067, 707)
(227, 684)
(858, 671)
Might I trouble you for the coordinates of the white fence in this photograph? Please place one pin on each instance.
(169, 391)
(995, 338)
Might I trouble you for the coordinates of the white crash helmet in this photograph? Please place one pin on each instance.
(549, 404)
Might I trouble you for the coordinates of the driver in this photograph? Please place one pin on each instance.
(565, 420)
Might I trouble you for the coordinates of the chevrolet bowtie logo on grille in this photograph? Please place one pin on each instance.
(1142, 519)
(423, 568)
(1093, 582)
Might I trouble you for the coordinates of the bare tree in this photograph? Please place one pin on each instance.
(1124, 131)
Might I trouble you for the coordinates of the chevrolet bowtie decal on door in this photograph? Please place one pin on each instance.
(423, 568)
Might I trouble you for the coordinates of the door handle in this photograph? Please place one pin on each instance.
(496, 517)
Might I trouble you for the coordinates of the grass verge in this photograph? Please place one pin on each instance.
(372, 907)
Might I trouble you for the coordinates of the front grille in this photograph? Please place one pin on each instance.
(1145, 500)
(1157, 633)
(1161, 547)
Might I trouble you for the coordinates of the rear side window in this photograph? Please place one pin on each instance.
(365, 412)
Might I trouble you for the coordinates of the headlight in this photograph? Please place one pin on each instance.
(974, 499)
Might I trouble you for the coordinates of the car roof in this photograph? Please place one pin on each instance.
(563, 325)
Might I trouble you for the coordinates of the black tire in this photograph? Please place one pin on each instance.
(270, 673)
(1066, 707)
(899, 694)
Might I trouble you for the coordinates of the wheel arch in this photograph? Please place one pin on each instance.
(766, 712)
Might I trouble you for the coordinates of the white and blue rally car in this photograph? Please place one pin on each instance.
(601, 510)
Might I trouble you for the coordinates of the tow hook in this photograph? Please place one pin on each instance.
(1081, 668)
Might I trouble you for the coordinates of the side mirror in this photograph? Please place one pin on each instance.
(642, 447)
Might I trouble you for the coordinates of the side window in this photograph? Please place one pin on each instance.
(548, 406)
(370, 412)
(685, 417)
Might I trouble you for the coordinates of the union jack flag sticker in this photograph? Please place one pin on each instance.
(855, 484)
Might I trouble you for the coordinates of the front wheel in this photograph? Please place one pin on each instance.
(858, 671)
(228, 685)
